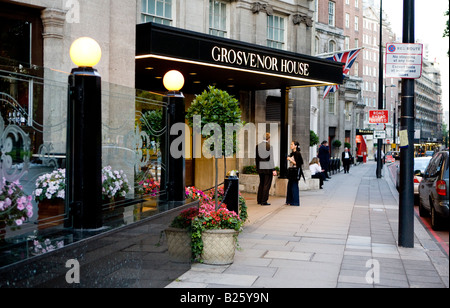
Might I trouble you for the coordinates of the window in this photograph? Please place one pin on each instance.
(158, 11)
(347, 43)
(356, 23)
(275, 32)
(331, 46)
(217, 18)
(356, 68)
(348, 111)
(356, 3)
(347, 20)
(331, 13)
(332, 103)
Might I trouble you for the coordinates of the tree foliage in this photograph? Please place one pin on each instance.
(216, 106)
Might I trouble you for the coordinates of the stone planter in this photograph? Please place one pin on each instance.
(219, 246)
(179, 245)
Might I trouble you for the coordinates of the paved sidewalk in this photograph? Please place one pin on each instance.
(342, 236)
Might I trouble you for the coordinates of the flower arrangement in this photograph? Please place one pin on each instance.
(150, 187)
(41, 247)
(184, 220)
(211, 219)
(207, 217)
(15, 206)
(197, 194)
(51, 186)
(243, 214)
(114, 183)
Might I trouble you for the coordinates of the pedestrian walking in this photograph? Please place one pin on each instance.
(295, 173)
(316, 171)
(266, 169)
(346, 160)
(324, 157)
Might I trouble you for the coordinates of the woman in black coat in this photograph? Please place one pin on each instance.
(296, 163)
(324, 157)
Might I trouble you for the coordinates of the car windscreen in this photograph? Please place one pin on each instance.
(421, 164)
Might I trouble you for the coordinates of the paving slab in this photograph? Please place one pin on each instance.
(344, 236)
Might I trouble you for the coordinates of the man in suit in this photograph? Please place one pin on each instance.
(266, 169)
(346, 160)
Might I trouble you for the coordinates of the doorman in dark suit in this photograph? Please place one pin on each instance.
(266, 169)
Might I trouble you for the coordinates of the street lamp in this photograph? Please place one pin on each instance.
(84, 141)
(176, 169)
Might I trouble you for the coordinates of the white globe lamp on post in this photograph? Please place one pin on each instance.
(84, 137)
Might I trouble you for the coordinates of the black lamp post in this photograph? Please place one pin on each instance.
(84, 137)
(176, 169)
(380, 92)
(406, 206)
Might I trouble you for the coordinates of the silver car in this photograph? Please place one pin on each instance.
(420, 164)
(434, 191)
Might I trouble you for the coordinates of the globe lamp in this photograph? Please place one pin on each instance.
(173, 81)
(85, 52)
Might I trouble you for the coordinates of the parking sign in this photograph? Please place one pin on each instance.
(404, 60)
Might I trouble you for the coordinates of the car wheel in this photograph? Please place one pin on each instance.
(422, 211)
(436, 220)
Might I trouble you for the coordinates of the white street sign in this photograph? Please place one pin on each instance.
(404, 60)
(379, 134)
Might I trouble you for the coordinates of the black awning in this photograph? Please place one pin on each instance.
(210, 60)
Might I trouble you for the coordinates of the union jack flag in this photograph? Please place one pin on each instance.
(347, 57)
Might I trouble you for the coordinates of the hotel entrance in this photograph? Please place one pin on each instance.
(244, 70)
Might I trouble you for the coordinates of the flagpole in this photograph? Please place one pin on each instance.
(323, 55)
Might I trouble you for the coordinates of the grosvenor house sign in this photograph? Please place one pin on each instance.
(259, 61)
(162, 47)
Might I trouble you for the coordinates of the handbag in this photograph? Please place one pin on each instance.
(295, 174)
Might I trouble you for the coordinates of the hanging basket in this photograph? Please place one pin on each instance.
(179, 245)
(219, 246)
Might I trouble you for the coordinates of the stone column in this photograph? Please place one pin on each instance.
(55, 83)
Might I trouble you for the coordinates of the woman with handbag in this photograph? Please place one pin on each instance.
(295, 173)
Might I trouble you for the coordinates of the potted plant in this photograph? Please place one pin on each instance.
(216, 106)
(15, 206)
(214, 234)
(50, 195)
(179, 236)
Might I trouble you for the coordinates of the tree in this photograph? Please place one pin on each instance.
(219, 108)
(313, 139)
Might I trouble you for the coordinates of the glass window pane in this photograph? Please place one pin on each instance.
(151, 7)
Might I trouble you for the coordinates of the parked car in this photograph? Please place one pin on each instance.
(396, 155)
(433, 191)
(420, 164)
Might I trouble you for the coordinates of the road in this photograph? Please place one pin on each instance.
(441, 237)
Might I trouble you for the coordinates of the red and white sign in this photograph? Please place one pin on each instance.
(379, 116)
(404, 60)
